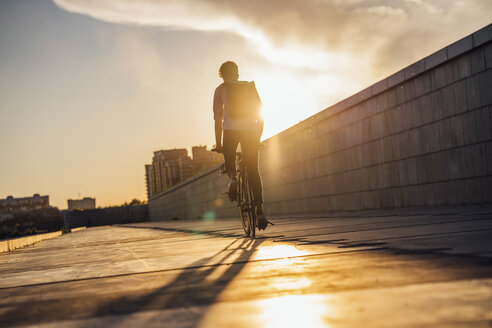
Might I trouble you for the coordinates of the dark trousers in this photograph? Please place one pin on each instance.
(250, 142)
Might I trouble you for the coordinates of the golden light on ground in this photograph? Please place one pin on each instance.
(286, 307)
(289, 310)
(278, 251)
(281, 254)
(291, 283)
(294, 311)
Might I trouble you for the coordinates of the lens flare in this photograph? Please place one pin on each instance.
(209, 216)
(219, 202)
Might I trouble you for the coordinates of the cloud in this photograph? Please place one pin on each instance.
(356, 42)
(320, 34)
(142, 62)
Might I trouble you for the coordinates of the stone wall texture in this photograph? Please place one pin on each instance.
(421, 137)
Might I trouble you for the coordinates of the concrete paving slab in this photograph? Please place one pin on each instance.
(407, 268)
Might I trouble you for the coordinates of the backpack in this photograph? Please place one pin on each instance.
(243, 100)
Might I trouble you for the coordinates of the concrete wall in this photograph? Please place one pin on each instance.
(419, 137)
(11, 244)
(106, 216)
(200, 197)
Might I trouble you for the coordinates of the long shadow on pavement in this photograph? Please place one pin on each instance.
(197, 284)
(192, 287)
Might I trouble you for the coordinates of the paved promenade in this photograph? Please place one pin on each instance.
(406, 268)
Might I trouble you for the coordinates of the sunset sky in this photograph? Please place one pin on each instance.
(89, 89)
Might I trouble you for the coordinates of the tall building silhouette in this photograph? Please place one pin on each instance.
(172, 166)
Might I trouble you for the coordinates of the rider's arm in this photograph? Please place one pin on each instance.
(218, 107)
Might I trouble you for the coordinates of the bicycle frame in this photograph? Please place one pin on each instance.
(245, 199)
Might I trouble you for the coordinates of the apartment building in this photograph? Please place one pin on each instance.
(173, 166)
(11, 204)
(85, 203)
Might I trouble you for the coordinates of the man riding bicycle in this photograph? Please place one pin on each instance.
(237, 115)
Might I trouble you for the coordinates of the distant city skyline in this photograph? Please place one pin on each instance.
(88, 90)
(170, 167)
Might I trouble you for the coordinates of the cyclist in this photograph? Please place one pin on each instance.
(244, 128)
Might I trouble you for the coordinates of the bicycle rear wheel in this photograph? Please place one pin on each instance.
(242, 205)
(250, 207)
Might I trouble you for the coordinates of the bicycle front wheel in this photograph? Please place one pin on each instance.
(252, 214)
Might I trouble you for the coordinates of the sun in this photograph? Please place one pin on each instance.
(292, 94)
(285, 99)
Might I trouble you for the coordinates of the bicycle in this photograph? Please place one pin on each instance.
(244, 198)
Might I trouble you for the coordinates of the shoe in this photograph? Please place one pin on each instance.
(262, 222)
(232, 190)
